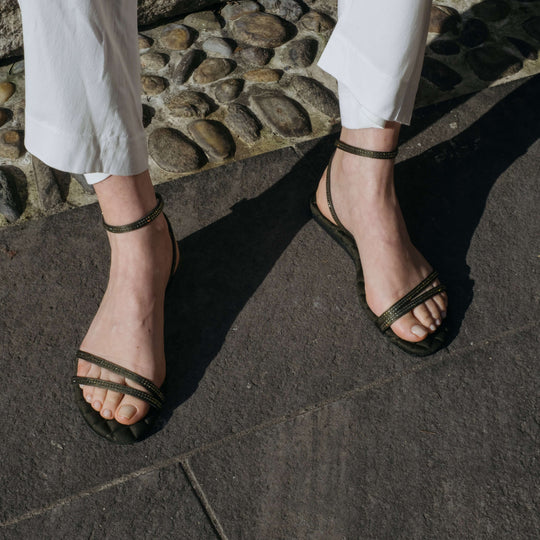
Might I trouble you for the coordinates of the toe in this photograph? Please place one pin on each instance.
(130, 410)
(433, 309)
(410, 328)
(423, 315)
(98, 398)
(112, 399)
(85, 369)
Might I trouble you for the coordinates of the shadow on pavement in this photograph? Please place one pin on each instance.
(443, 193)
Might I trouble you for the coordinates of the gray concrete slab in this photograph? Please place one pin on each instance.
(157, 503)
(263, 322)
(448, 451)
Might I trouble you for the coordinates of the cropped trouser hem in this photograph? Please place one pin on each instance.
(75, 153)
(376, 52)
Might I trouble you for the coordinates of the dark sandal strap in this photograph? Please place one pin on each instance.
(329, 195)
(173, 242)
(140, 222)
(121, 388)
(145, 383)
(413, 298)
(366, 153)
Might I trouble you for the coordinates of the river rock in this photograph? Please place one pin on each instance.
(47, 186)
(440, 74)
(283, 115)
(145, 43)
(189, 104)
(204, 20)
(491, 10)
(153, 85)
(148, 114)
(532, 27)
(211, 70)
(228, 90)
(262, 75)
(5, 116)
(218, 46)
(254, 56)
(235, 10)
(526, 49)
(473, 33)
(444, 47)
(9, 200)
(174, 152)
(316, 22)
(443, 19)
(154, 61)
(240, 120)
(315, 94)
(7, 89)
(213, 138)
(17, 67)
(11, 144)
(288, 9)
(186, 65)
(176, 37)
(301, 53)
(490, 62)
(260, 30)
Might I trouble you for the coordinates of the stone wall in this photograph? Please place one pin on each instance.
(150, 11)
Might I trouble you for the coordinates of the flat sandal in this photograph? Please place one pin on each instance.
(111, 429)
(418, 295)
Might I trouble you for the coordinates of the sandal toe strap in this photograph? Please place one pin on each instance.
(121, 388)
(411, 300)
(153, 390)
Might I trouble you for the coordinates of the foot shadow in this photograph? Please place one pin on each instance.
(443, 191)
(443, 194)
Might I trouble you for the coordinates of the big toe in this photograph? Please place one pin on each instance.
(131, 410)
(410, 328)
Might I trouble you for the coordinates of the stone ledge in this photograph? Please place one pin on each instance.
(233, 83)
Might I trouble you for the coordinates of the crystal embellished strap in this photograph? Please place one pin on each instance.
(366, 153)
(139, 223)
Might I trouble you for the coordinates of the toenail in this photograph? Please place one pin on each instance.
(432, 327)
(127, 411)
(419, 331)
(438, 322)
(106, 413)
(89, 399)
(97, 405)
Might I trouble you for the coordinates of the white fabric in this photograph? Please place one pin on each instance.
(83, 91)
(376, 53)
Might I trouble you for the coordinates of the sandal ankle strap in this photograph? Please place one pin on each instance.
(140, 222)
(366, 153)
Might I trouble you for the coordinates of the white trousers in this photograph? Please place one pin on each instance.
(83, 89)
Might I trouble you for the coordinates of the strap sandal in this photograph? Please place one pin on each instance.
(111, 429)
(418, 295)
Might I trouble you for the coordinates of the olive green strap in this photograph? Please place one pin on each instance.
(140, 222)
(155, 392)
(329, 194)
(121, 388)
(366, 153)
(411, 300)
(359, 152)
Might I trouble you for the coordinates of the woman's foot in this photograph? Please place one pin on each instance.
(128, 327)
(365, 201)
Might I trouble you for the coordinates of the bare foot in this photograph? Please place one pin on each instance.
(128, 327)
(365, 201)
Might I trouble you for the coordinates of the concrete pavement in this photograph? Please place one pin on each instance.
(289, 417)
